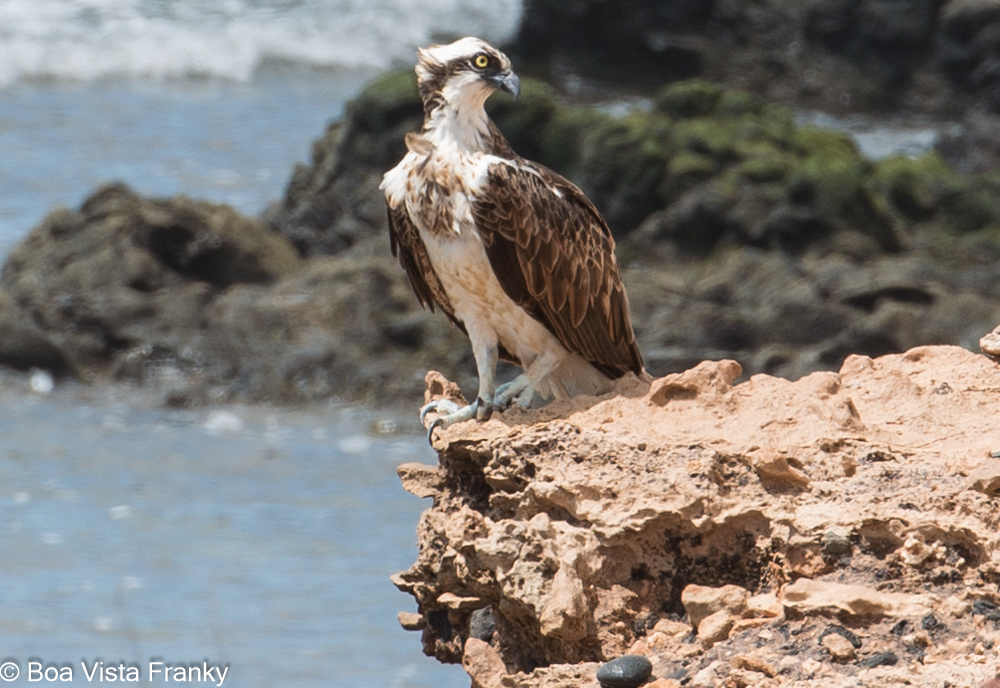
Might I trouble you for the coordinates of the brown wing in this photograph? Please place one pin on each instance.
(406, 244)
(554, 256)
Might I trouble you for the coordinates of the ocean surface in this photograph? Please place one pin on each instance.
(217, 99)
(254, 538)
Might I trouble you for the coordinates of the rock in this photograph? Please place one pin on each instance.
(839, 647)
(586, 520)
(706, 678)
(841, 55)
(627, 671)
(956, 607)
(121, 286)
(411, 621)
(851, 637)
(820, 597)
(879, 659)
(766, 605)
(756, 664)
(715, 628)
(459, 604)
(482, 624)
(931, 624)
(421, 480)
(701, 601)
(986, 478)
(989, 610)
(836, 545)
(664, 683)
(483, 664)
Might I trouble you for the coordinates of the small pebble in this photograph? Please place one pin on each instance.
(931, 624)
(880, 659)
(838, 646)
(482, 624)
(987, 609)
(901, 629)
(627, 671)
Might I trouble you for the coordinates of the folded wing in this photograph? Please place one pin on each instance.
(553, 255)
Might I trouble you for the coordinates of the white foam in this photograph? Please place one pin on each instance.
(229, 39)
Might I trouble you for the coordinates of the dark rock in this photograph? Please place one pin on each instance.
(880, 659)
(840, 630)
(987, 609)
(627, 671)
(901, 628)
(125, 276)
(931, 624)
(928, 55)
(482, 624)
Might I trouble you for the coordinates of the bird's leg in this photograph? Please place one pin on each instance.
(511, 392)
(484, 348)
(520, 390)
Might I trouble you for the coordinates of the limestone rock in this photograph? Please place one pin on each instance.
(411, 621)
(821, 597)
(701, 601)
(421, 480)
(839, 647)
(715, 627)
(591, 527)
(483, 664)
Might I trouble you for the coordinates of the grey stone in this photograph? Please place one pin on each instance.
(627, 671)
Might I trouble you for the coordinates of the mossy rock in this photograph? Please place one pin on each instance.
(733, 103)
(926, 188)
(387, 101)
(825, 143)
(525, 124)
(912, 186)
(769, 166)
(687, 99)
(706, 136)
(622, 164)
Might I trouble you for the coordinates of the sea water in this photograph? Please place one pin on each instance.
(254, 538)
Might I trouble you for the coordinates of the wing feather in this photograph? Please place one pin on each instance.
(406, 244)
(554, 256)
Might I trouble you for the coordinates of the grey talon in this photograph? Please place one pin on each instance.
(430, 431)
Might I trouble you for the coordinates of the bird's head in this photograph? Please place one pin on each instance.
(463, 74)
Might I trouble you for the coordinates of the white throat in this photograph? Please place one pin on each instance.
(460, 122)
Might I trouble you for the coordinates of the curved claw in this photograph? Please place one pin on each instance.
(438, 422)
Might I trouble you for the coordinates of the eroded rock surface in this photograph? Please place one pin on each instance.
(860, 503)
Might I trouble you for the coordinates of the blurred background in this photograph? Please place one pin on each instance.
(255, 537)
(204, 399)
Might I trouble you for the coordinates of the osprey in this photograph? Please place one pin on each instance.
(514, 254)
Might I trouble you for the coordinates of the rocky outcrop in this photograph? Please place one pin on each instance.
(206, 305)
(740, 234)
(844, 55)
(724, 531)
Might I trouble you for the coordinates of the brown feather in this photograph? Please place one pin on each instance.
(554, 256)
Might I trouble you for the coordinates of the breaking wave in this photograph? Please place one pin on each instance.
(85, 40)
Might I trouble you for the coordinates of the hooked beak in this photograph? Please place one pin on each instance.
(508, 81)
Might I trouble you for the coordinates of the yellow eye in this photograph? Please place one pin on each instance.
(482, 61)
